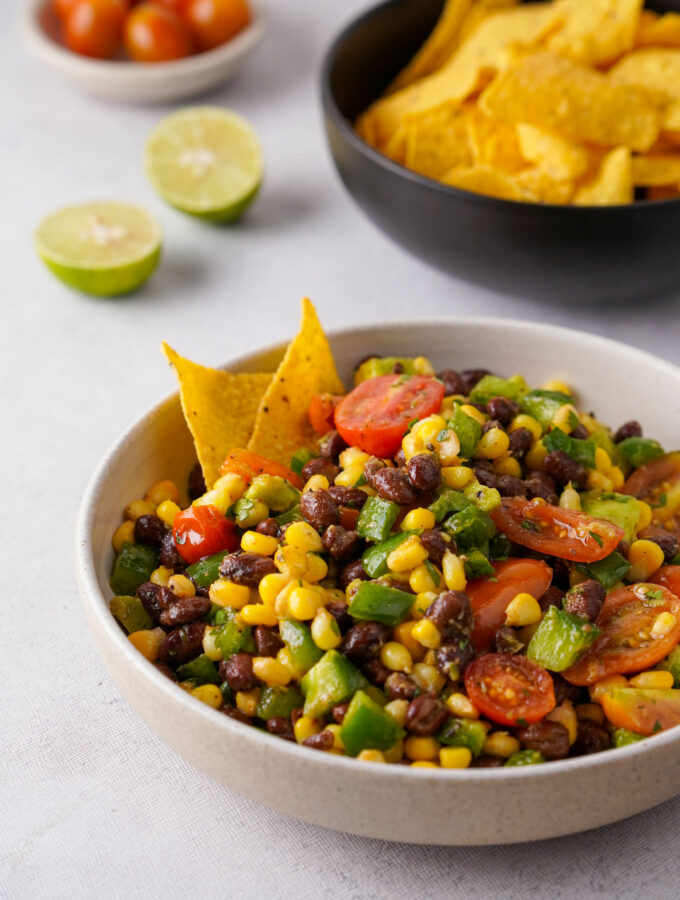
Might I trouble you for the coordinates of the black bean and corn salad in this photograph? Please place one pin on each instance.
(463, 572)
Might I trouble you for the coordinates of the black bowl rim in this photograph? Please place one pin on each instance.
(377, 158)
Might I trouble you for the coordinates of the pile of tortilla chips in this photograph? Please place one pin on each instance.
(567, 102)
(263, 413)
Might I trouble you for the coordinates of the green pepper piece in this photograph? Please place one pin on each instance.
(582, 452)
(470, 733)
(293, 515)
(206, 570)
(298, 638)
(468, 431)
(131, 613)
(447, 502)
(476, 564)
(384, 365)
(607, 571)
(637, 451)
(470, 527)
(374, 559)
(133, 566)
(276, 492)
(499, 547)
(621, 509)
(279, 701)
(300, 458)
(621, 737)
(375, 602)
(525, 758)
(672, 664)
(543, 405)
(231, 637)
(493, 386)
(331, 681)
(560, 639)
(376, 519)
(201, 670)
(603, 437)
(367, 726)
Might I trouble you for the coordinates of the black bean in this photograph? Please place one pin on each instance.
(376, 672)
(237, 671)
(424, 472)
(372, 466)
(509, 486)
(267, 641)
(591, 738)
(182, 644)
(394, 485)
(320, 466)
(185, 610)
(319, 509)
(490, 424)
(436, 545)
(666, 540)
(331, 445)
(270, 527)
(552, 597)
(347, 496)
(585, 599)
(541, 485)
(453, 382)
(521, 440)
(503, 409)
(399, 457)
(425, 715)
(564, 690)
(339, 712)
(149, 530)
(363, 641)
(505, 640)
(628, 430)
(342, 544)
(485, 476)
(580, 433)
(155, 598)
(559, 466)
(560, 569)
(234, 713)
(351, 572)
(322, 741)
(246, 568)
(452, 658)
(340, 612)
(472, 376)
(170, 557)
(196, 485)
(451, 612)
(165, 669)
(487, 762)
(401, 687)
(550, 739)
(281, 727)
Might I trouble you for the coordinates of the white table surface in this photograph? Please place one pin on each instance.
(91, 803)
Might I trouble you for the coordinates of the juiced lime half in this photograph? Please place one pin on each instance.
(205, 161)
(100, 248)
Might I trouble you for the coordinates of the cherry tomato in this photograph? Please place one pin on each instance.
(215, 21)
(62, 7)
(510, 690)
(248, 465)
(94, 27)
(626, 643)
(556, 532)
(321, 412)
(376, 414)
(642, 710)
(653, 483)
(668, 577)
(156, 33)
(202, 530)
(490, 599)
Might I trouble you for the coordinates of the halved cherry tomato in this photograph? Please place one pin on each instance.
(156, 33)
(490, 599)
(626, 643)
(668, 577)
(94, 27)
(214, 22)
(321, 412)
(556, 532)
(375, 415)
(658, 483)
(248, 465)
(642, 710)
(510, 690)
(202, 530)
(62, 7)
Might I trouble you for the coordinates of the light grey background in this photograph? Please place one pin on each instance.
(91, 804)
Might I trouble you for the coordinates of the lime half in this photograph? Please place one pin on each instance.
(100, 248)
(205, 161)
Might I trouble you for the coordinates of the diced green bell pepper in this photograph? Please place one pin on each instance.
(376, 519)
(279, 701)
(499, 547)
(133, 566)
(201, 670)
(637, 451)
(621, 737)
(468, 431)
(543, 405)
(621, 509)
(375, 602)
(525, 758)
(206, 570)
(298, 638)
(384, 365)
(367, 726)
(292, 515)
(276, 492)
(131, 613)
(493, 386)
(607, 571)
(560, 639)
(448, 501)
(299, 459)
(476, 564)
(582, 452)
(470, 733)
(331, 681)
(374, 559)
(672, 664)
(470, 527)
(231, 637)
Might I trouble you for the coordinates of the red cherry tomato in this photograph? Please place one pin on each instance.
(556, 532)
(652, 483)
(215, 21)
(644, 711)
(94, 27)
(156, 33)
(62, 7)
(321, 412)
(376, 414)
(490, 599)
(510, 690)
(627, 643)
(202, 530)
(248, 465)
(668, 577)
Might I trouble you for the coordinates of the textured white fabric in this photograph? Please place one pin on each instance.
(91, 803)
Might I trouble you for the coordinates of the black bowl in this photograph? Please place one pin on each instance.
(568, 254)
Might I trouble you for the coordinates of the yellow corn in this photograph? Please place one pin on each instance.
(166, 512)
(422, 366)
(427, 634)
(590, 712)
(303, 603)
(645, 515)
(424, 764)
(373, 756)
(210, 647)
(616, 477)
(453, 569)
(422, 579)
(139, 508)
(403, 634)
(291, 561)
(656, 680)
(555, 385)
(285, 657)
(566, 716)
(605, 685)
(262, 544)
(411, 444)
(589, 422)
(351, 589)
(407, 555)
(603, 461)
(232, 485)
(259, 614)
(271, 586)
(428, 429)
(500, 743)
(422, 603)
(162, 490)
(258, 512)
(335, 730)
(148, 642)
(226, 593)
(181, 586)
(351, 456)
(124, 534)
(325, 632)
(246, 701)
(525, 421)
(209, 694)
(456, 477)
(304, 537)
(427, 677)
(455, 757)
(493, 444)
(421, 749)
(597, 481)
(219, 499)
(305, 727)
(462, 706)
(564, 417)
(161, 576)
(397, 709)
(473, 412)
(447, 447)
(317, 568)
(396, 658)
(570, 499)
(645, 557)
(349, 477)
(269, 670)
(535, 456)
(418, 518)
(523, 609)
(507, 465)
(316, 483)
(396, 753)
(664, 623)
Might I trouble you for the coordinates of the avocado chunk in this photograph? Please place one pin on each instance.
(621, 509)
(470, 733)
(560, 639)
(543, 405)
(672, 665)
(385, 365)
(276, 492)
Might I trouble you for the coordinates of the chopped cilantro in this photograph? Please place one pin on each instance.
(596, 537)
(657, 727)
(530, 526)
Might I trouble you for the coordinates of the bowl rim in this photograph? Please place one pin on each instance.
(128, 71)
(374, 156)
(97, 603)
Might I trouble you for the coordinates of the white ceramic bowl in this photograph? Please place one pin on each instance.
(477, 806)
(131, 82)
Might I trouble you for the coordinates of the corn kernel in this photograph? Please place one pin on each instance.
(427, 634)
(536, 455)
(555, 385)
(267, 669)
(316, 483)
(317, 568)
(291, 561)
(271, 586)
(424, 764)
(181, 586)
(422, 603)
(403, 634)
(209, 694)
(337, 740)
(161, 576)
(500, 743)
(657, 681)
(124, 534)
(589, 422)
(139, 508)
(373, 756)
(605, 685)
(525, 421)
(645, 557)
(305, 727)
(220, 499)
(246, 701)
(303, 603)
(424, 578)
(304, 537)
(227, 594)
(285, 657)
(664, 623)
(422, 366)
(590, 712)
(258, 512)
(411, 444)
(162, 490)
(523, 609)
(645, 515)
(396, 658)
(428, 428)
(351, 589)
(325, 632)
(397, 709)
(421, 749)
(564, 417)
(427, 677)
(259, 614)
(570, 499)
(396, 753)
(456, 477)
(418, 518)
(210, 647)
(232, 486)
(473, 412)
(167, 511)
(508, 465)
(461, 706)
(453, 569)
(407, 555)
(262, 544)
(566, 716)
(493, 444)
(148, 642)
(616, 477)
(597, 481)
(455, 757)
(349, 477)
(603, 461)
(353, 456)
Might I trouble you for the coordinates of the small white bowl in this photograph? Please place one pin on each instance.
(476, 806)
(131, 82)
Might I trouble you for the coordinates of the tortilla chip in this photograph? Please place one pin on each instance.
(437, 141)
(483, 180)
(656, 171)
(553, 93)
(545, 189)
(657, 71)
(494, 143)
(596, 32)
(558, 158)
(219, 408)
(663, 193)
(612, 185)
(396, 148)
(478, 12)
(658, 31)
(281, 425)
